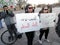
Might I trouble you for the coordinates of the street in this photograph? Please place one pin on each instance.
(53, 37)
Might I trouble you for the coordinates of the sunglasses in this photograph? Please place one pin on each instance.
(45, 9)
(30, 7)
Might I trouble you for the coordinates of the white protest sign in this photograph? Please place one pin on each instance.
(48, 19)
(26, 22)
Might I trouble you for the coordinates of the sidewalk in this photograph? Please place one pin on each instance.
(54, 39)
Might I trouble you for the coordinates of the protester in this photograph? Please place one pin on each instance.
(8, 17)
(30, 35)
(0, 22)
(45, 9)
(58, 26)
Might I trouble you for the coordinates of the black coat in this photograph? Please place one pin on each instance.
(58, 26)
(0, 16)
(8, 17)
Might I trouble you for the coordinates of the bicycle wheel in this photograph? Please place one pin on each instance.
(5, 38)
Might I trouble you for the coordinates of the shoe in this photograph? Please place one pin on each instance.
(40, 41)
(47, 40)
(10, 39)
(19, 36)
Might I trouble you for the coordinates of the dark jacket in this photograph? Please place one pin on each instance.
(8, 17)
(58, 26)
(58, 19)
(0, 16)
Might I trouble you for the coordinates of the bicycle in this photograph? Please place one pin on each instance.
(5, 35)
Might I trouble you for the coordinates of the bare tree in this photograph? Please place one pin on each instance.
(21, 2)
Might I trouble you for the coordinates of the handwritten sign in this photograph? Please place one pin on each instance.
(48, 19)
(26, 22)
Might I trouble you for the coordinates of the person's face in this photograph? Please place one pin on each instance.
(46, 10)
(30, 9)
(5, 8)
(49, 10)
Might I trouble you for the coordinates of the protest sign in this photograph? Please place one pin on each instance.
(26, 22)
(48, 19)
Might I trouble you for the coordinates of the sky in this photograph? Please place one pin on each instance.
(42, 1)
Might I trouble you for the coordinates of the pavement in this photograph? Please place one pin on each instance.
(53, 37)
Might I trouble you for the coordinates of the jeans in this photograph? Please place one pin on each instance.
(1, 24)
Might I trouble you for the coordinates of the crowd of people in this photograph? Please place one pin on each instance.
(8, 15)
